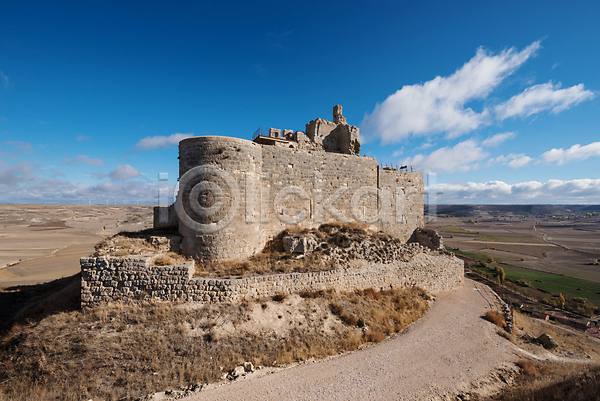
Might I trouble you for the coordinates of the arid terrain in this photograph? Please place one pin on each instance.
(50, 348)
(40, 243)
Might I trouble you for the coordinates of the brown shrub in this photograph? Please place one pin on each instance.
(528, 368)
(310, 294)
(280, 297)
(495, 317)
(372, 293)
(349, 320)
(336, 309)
(375, 336)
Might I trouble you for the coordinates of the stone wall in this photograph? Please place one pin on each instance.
(115, 279)
(271, 188)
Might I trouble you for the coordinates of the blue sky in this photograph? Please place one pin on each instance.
(498, 99)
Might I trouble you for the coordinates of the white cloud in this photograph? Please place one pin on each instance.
(498, 139)
(439, 105)
(123, 172)
(463, 156)
(20, 184)
(512, 160)
(20, 146)
(85, 160)
(161, 141)
(83, 138)
(574, 153)
(552, 191)
(12, 176)
(542, 97)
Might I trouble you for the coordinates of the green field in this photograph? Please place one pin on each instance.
(547, 283)
(555, 283)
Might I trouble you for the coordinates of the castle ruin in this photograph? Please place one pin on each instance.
(235, 194)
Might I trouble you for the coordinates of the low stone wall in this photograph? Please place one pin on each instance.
(115, 279)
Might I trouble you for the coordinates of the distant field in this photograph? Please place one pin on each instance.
(547, 255)
(40, 243)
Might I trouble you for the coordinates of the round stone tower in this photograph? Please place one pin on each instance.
(218, 203)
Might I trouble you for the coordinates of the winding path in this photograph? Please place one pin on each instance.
(449, 347)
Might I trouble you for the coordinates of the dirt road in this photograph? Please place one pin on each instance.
(451, 346)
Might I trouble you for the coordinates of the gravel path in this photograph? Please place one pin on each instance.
(450, 346)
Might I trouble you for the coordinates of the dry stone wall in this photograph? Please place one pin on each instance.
(116, 279)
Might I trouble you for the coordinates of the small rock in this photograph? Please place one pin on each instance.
(528, 338)
(547, 341)
(238, 371)
(248, 367)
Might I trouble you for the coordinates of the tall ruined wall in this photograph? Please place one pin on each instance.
(236, 194)
(406, 201)
(320, 175)
(112, 279)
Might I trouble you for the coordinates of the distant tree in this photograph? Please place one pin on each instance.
(561, 301)
(500, 273)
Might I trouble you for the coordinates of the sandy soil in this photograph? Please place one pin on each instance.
(40, 243)
(451, 347)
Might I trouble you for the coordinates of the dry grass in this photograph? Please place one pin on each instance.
(555, 382)
(123, 352)
(266, 262)
(495, 317)
(170, 258)
(528, 368)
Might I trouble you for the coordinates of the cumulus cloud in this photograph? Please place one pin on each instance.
(12, 175)
(574, 153)
(542, 97)
(463, 156)
(438, 105)
(552, 191)
(85, 160)
(123, 172)
(161, 141)
(513, 160)
(20, 146)
(498, 139)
